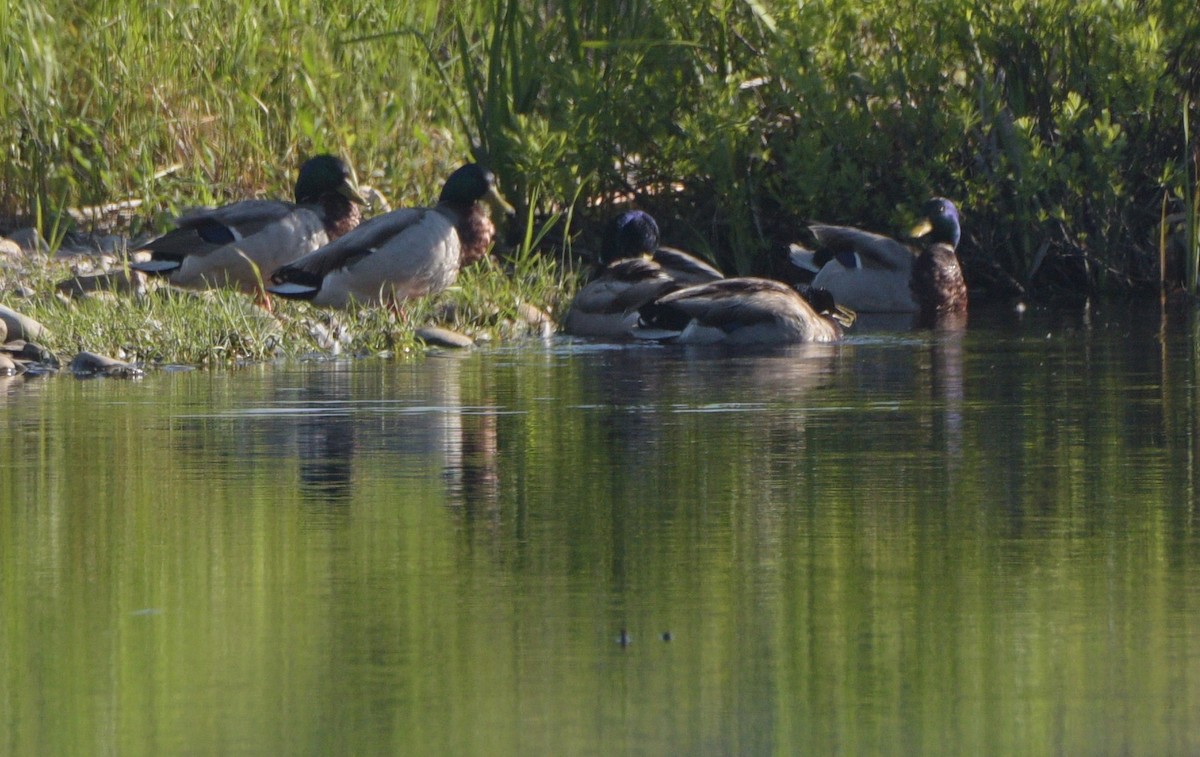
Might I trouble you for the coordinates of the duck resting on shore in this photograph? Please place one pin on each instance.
(410, 252)
(242, 244)
(872, 273)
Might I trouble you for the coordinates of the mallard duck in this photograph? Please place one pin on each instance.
(741, 311)
(634, 233)
(217, 247)
(636, 271)
(406, 253)
(872, 273)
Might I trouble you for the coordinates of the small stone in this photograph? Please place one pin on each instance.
(376, 200)
(32, 352)
(70, 250)
(30, 240)
(123, 282)
(92, 245)
(112, 244)
(10, 249)
(447, 312)
(535, 319)
(8, 366)
(82, 266)
(326, 337)
(436, 336)
(91, 364)
(532, 314)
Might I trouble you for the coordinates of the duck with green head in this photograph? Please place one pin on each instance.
(410, 252)
(636, 271)
(635, 233)
(872, 273)
(242, 244)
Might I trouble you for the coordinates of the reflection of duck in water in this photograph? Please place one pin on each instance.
(871, 273)
(414, 422)
(474, 485)
(636, 271)
(325, 447)
(948, 392)
(742, 311)
(636, 411)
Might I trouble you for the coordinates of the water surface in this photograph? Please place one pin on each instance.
(913, 542)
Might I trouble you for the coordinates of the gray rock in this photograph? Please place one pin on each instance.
(436, 336)
(123, 282)
(92, 245)
(20, 326)
(9, 367)
(112, 244)
(536, 320)
(533, 315)
(30, 240)
(91, 364)
(30, 354)
(377, 201)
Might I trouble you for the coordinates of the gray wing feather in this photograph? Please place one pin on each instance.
(874, 248)
(246, 216)
(243, 219)
(732, 303)
(371, 236)
(276, 245)
(684, 267)
(750, 311)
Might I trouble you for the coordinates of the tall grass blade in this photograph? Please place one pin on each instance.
(1191, 201)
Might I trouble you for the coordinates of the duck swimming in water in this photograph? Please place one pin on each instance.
(636, 271)
(872, 273)
(741, 311)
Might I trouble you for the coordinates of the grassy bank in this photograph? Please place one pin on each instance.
(1058, 126)
(162, 325)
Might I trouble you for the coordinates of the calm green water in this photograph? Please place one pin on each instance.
(909, 543)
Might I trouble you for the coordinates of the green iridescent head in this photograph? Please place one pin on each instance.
(473, 183)
(323, 174)
(940, 222)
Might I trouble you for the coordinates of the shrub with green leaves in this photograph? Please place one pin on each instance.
(1056, 125)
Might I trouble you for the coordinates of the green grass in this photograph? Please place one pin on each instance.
(169, 326)
(1053, 124)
